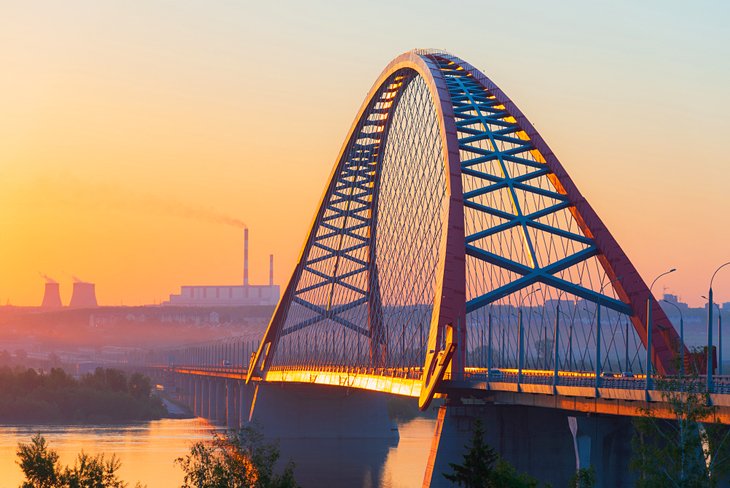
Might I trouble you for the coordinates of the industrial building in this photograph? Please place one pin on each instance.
(51, 296)
(229, 296)
(83, 296)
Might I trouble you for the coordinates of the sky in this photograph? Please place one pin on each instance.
(137, 137)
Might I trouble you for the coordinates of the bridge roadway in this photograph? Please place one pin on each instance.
(574, 391)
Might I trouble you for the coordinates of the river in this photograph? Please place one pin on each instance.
(147, 451)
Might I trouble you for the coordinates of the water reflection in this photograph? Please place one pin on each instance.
(147, 451)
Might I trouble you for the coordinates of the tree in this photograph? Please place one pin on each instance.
(236, 460)
(41, 468)
(479, 460)
(140, 386)
(690, 449)
(39, 463)
(583, 478)
(93, 472)
(483, 468)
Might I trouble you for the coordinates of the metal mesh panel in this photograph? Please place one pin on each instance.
(526, 252)
(365, 292)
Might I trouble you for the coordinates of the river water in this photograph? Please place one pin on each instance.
(147, 451)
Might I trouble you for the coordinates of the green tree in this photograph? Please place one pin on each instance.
(689, 449)
(39, 463)
(583, 478)
(41, 468)
(483, 468)
(476, 470)
(92, 472)
(140, 386)
(236, 460)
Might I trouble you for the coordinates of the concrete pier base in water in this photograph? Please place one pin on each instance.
(318, 411)
(537, 441)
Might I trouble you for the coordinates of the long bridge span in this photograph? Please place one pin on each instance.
(452, 256)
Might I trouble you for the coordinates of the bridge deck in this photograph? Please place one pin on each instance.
(576, 391)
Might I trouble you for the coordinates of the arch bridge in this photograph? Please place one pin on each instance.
(451, 254)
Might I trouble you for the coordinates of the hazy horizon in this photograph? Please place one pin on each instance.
(138, 138)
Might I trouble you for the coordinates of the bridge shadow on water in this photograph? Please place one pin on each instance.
(365, 462)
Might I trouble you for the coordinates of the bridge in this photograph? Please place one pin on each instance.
(452, 256)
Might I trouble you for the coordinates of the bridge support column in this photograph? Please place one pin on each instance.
(534, 440)
(219, 401)
(205, 398)
(195, 383)
(232, 397)
(293, 410)
(245, 402)
(190, 400)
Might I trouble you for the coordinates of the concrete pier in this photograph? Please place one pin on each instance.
(537, 441)
(318, 411)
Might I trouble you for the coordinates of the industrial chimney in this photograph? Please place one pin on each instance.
(52, 296)
(84, 295)
(271, 270)
(245, 256)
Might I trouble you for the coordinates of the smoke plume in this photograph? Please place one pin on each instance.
(112, 197)
(47, 278)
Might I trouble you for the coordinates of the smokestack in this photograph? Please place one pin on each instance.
(84, 295)
(245, 256)
(271, 270)
(52, 296)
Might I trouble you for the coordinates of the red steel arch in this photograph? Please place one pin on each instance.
(448, 311)
(446, 345)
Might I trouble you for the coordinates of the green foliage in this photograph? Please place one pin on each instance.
(41, 468)
(237, 460)
(688, 450)
(106, 395)
(483, 468)
(506, 476)
(479, 460)
(583, 478)
(38, 463)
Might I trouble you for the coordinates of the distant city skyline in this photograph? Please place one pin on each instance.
(137, 138)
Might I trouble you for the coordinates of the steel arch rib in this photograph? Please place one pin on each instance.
(448, 315)
(629, 285)
(447, 333)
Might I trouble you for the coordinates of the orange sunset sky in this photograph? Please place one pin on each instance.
(133, 135)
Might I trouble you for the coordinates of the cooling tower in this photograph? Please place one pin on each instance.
(84, 295)
(52, 296)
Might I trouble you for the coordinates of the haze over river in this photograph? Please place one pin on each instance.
(148, 450)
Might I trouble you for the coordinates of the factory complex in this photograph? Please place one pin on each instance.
(84, 294)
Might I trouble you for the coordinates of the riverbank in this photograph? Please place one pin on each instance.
(55, 397)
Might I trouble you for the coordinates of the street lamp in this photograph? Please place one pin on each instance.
(521, 338)
(681, 336)
(719, 336)
(709, 330)
(648, 384)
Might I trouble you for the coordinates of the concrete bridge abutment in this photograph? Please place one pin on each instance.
(548, 444)
(290, 410)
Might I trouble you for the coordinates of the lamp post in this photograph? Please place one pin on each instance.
(709, 329)
(649, 384)
(681, 336)
(521, 338)
(719, 337)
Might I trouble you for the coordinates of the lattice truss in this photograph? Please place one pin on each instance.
(525, 250)
(364, 290)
